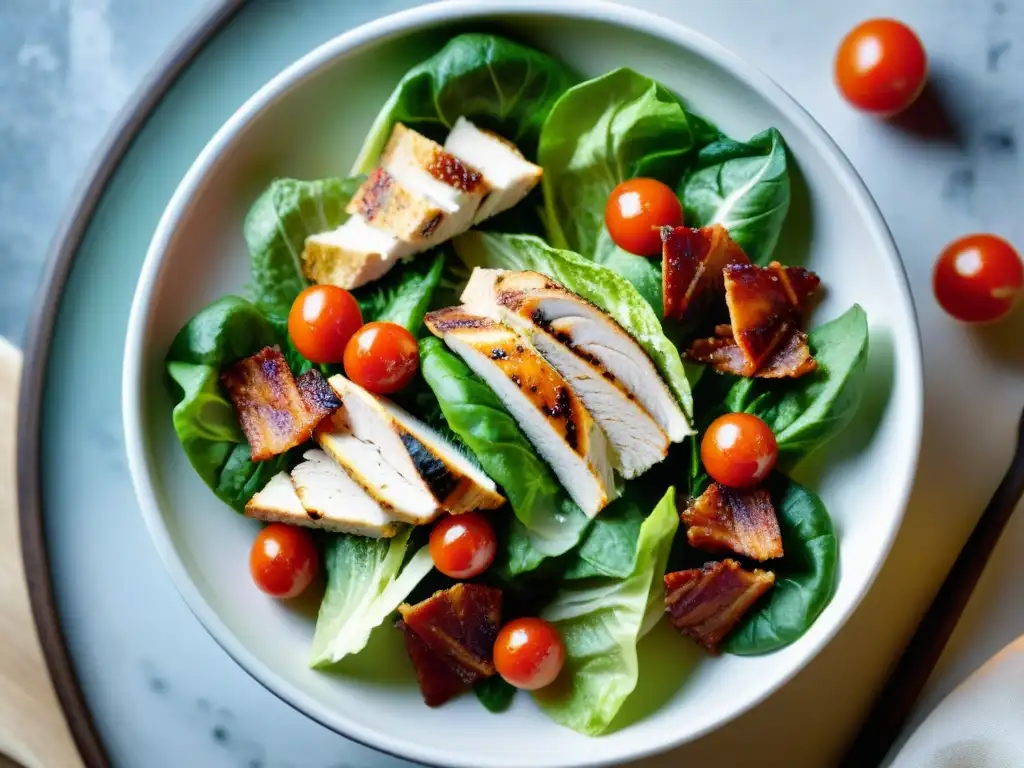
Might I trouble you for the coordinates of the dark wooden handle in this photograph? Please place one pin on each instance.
(896, 700)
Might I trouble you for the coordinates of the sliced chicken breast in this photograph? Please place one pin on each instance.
(336, 501)
(423, 166)
(586, 330)
(637, 442)
(540, 400)
(352, 255)
(364, 461)
(386, 204)
(416, 451)
(509, 175)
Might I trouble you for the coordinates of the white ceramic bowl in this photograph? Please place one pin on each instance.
(308, 122)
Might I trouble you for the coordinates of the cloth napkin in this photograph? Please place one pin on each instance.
(32, 727)
(979, 725)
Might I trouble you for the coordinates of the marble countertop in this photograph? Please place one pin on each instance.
(67, 66)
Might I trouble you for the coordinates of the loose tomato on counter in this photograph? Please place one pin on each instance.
(382, 357)
(463, 546)
(636, 211)
(977, 278)
(881, 67)
(739, 450)
(529, 653)
(321, 322)
(283, 560)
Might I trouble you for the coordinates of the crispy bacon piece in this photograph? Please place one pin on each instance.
(791, 359)
(275, 411)
(706, 603)
(319, 396)
(459, 624)
(438, 683)
(732, 519)
(764, 307)
(693, 260)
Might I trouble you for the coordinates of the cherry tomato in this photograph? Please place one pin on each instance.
(636, 209)
(321, 321)
(529, 653)
(977, 278)
(463, 546)
(382, 357)
(283, 560)
(881, 66)
(739, 450)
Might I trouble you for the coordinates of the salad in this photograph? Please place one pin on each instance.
(526, 383)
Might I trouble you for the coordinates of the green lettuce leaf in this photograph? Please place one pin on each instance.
(600, 285)
(494, 693)
(497, 83)
(204, 419)
(805, 413)
(366, 582)
(744, 187)
(276, 229)
(404, 294)
(600, 621)
(551, 522)
(804, 576)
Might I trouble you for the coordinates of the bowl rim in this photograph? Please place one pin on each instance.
(410, 20)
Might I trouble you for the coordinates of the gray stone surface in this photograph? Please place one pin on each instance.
(66, 68)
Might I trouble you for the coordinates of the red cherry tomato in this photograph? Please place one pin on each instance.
(283, 560)
(881, 66)
(739, 450)
(321, 321)
(529, 653)
(382, 357)
(463, 546)
(977, 278)
(636, 210)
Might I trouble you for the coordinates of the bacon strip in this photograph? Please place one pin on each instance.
(438, 683)
(706, 603)
(275, 413)
(318, 396)
(791, 359)
(693, 260)
(460, 625)
(730, 519)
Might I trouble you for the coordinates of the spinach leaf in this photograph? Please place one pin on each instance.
(600, 621)
(500, 84)
(804, 413)
(276, 228)
(742, 186)
(804, 576)
(600, 133)
(404, 294)
(553, 523)
(204, 419)
(600, 285)
(494, 693)
(367, 579)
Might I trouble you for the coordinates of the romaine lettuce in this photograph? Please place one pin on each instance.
(601, 621)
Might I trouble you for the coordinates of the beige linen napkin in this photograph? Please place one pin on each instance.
(32, 727)
(979, 725)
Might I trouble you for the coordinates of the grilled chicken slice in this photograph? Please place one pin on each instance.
(417, 452)
(459, 624)
(424, 167)
(592, 336)
(791, 359)
(271, 407)
(734, 520)
(336, 501)
(278, 502)
(438, 683)
(508, 174)
(352, 255)
(706, 603)
(693, 260)
(540, 400)
(764, 307)
(637, 442)
(386, 204)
